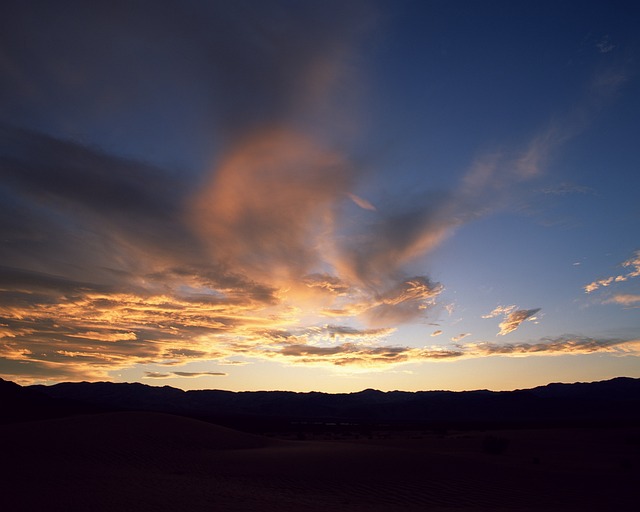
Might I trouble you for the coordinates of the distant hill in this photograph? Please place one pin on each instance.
(608, 402)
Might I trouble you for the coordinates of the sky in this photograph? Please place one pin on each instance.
(320, 195)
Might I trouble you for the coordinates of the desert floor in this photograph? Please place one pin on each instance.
(156, 462)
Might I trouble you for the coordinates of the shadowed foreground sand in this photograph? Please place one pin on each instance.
(157, 462)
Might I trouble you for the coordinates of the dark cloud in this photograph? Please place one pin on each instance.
(363, 355)
(247, 63)
(29, 371)
(20, 280)
(560, 345)
(75, 177)
(402, 302)
(83, 215)
(397, 235)
(157, 375)
(182, 353)
(198, 374)
(347, 354)
(347, 332)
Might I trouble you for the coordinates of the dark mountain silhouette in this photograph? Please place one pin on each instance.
(614, 401)
(19, 403)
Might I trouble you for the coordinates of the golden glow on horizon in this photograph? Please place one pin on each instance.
(90, 336)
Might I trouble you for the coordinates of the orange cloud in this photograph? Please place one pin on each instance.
(513, 320)
(512, 317)
(270, 204)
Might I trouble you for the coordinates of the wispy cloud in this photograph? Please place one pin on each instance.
(166, 375)
(564, 189)
(370, 357)
(632, 263)
(500, 310)
(460, 337)
(557, 346)
(512, 317)
(605, 45)
(513, 320)
(625, 299)
(361, 202)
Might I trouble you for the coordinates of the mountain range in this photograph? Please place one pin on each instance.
(615, 401)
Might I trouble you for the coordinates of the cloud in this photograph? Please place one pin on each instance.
(557, 346)
(625, 299)
(437, 332)
(157, 375)
(512, 317)
(354, 355)
(367, 357)
(343, 331)
(401, 233)
(166, 375)
(605, 45)
(513, 320)
(633, 263)
(564, 189)
(376, 253)
(269, 202)
(361, 202)
(460, 336)
(327, 282)
(500, 310)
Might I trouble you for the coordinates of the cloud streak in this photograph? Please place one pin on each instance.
(625, 299)
(356, 356)
(166, 375)
(632, 263)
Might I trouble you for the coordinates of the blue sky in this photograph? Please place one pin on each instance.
(320, 195)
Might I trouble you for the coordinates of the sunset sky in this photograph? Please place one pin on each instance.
(320, 195)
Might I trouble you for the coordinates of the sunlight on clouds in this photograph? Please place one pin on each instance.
(633, 263)
(357, 357)
(109, 263)
(105, 335)
(500, 310)
(513, 320)
(512, 317)
(270, 204)
(97, 333)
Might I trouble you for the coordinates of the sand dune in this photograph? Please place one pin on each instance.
(156, 462)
